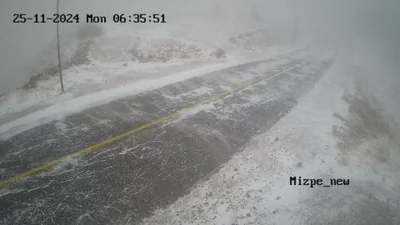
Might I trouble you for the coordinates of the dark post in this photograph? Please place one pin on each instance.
(58, 52)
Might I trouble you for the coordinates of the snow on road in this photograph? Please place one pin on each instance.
(326, 136)
(160, 164)
(67, 104)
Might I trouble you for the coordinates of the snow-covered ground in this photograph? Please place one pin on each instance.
(347, 127)
(338, 131)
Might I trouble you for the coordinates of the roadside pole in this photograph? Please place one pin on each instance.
(58, 52)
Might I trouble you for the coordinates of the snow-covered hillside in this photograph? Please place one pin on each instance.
(100, 58)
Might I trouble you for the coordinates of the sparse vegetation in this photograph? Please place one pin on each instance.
(256, 39)
(363, 124)
(219, 53)
(32, 83)
(79, 57)
(165, 50)
(85, 36)
(89, 31)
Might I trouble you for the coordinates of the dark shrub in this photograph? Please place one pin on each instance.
(89, 31)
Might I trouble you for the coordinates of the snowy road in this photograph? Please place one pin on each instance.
(126, 181)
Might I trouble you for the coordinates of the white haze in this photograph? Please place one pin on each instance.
(366, 29)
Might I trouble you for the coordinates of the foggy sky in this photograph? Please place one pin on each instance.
(369, 26)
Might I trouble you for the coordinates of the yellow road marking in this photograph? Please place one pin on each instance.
(97, 147)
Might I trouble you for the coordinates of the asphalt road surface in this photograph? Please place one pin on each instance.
(124, 182)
